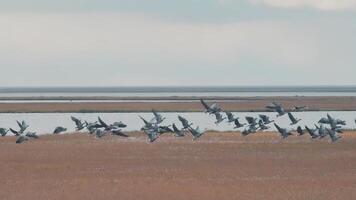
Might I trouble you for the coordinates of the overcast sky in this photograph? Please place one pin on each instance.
(181, 42)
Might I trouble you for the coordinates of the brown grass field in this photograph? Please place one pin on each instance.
(256, 104)
(217, 166)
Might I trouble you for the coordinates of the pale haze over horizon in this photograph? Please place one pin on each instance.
(171, 43)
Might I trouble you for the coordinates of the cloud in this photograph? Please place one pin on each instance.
(126, 37)
(134, 49)
(326, 5)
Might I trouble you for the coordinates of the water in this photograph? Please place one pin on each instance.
(179, 91)
(46, 122)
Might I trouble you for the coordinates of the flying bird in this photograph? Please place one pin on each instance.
(314, 133)
(219, 118)
(78, 123)
(293, 119)
(3, 132)
(262, 125)
(152, 134)
(184, 122)
(118, 133)
(100, 133)
(277, 108)
(157, 117)
(333, 135)
(23, 126)
(299, 108)
(266, 119)
(196, 133)
(238, 124)
(20, 139)
(214, 108)
(177, 132)
(119, 124)
(230, 117)
(300, 131)
(283, 131)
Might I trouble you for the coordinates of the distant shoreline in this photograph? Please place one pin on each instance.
(182, 98)
(184, 104)
(173, 89)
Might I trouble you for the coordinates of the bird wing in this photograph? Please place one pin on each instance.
(250, 120)
(102, 122)
(206, 106)
(278, 128)
(230, 116)
(291, 117)
(14, 132)
(264, 118)
(19, 124)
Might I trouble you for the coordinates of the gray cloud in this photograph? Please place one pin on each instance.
(56, 49)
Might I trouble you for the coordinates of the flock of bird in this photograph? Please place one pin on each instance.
(262, 123)
(327, 126)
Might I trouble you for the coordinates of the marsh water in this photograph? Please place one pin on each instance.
(247, 91)
(44, 123)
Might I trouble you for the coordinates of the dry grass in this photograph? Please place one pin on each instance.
(235, 104)
(218, 166)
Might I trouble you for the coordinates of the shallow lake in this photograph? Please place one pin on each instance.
(46, 122)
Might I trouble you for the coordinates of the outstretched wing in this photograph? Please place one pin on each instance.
(291, 117)
(250, 120)
(206, 106)
(102, 122)
(278, 128)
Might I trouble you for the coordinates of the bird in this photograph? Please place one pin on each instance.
(293, 119)
(3, 132)
(59, 129)
(299, 108)
(92, 126)
(214, 108)
(152, 134)
(230, 117)
(102, 123)
(23, 126)
(16, 133)
(118, 132)
(262, 126)
(177, 132)
(283, 131)
(157, 117)
(78, 123)
(266, 119)
(25, 137)
(333, 135)
(100, 133)
(184, 122)
(277, 108)
(335, 122)
(332, 121)
(238, 124)
(314, 133)
(251, 121)
(164, 129)
(119, 124)
(32, 135)
(196, 133)
(21, 138)
(148, 125)
(107, 127)
(249, 130)
(300, 131)
(219, 118)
